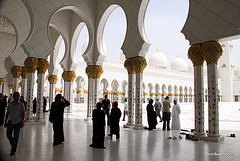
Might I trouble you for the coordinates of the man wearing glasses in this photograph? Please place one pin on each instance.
(14, 121)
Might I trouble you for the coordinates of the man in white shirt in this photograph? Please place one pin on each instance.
(14, 121)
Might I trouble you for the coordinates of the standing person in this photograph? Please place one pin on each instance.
(158, 107)
(3, 105)
(14, 121)
(176, 111)
(23, 101)
(166, 113)
(98, 127)
(151, 116)
(10, 98)
(114, 120)
(56, 117)
(125, 110)
(44, 104)
(34, 105)
(106, 108)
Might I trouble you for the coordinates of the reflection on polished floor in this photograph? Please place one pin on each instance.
(35, 144)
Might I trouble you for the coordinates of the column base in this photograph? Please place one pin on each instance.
(88, 119)
(138, 126)
(29, 121)
(217, 138)
(39, 122)
(199, 134)
(128, 125)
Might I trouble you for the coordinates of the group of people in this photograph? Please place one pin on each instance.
(166, 114)
(35, 105)
(15, 114)
(113, 118)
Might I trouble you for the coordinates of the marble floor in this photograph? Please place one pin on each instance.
(35, 142)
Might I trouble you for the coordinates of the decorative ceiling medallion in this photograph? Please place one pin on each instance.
(5, 26)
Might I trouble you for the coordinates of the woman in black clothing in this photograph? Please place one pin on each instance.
(98, 127)
(114, 120)
(3, 105)
(56, 117)
(34, 105)
(151, 116)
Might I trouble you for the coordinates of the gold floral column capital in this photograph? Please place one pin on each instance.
(128, 65)
(16, 71)
(31, 64)
(24, 73)
(42, 66)
(195, 55)
(78, 91)
(2, 80)
(20, 85)
(10, 86)
(68, 76)
(139, 63)
(94, 71)
(53, 79)
(211, 51)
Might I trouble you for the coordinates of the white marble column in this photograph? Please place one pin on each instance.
(31, 66)
(68, 77)
(41, 69)
(194, 53)
(199, 101)
(138, 100)
(10, 88)
(15, 84)
(24, 88)
(90, 99)
(29, 100)
(16, 72)
(131, 100)
(24, 76)
(85, 96)
(170, 97)
(2, 80)
(213, 110)
(39, 103)
(68, 94)
(139, 64)
(120, 96)
(94, 73)
(96, 92)
(78, 95)
(131, 92)
(186, 98)
(176, 97)
(145, 97)
(52, 80)
(151, 95)
(52, 94)
(211, 52)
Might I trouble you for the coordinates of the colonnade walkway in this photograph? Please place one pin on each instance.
(35, 141)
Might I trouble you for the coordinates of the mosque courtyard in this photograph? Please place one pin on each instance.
(35, 141)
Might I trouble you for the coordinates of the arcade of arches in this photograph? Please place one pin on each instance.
(30, 32)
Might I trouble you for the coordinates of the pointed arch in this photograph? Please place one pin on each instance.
(101, 30)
